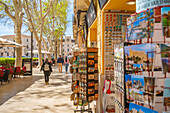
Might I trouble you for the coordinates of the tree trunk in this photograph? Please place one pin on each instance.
(39, 54)
(18, 51)
(58, 47)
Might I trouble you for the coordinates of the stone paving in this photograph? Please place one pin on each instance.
(38, 97)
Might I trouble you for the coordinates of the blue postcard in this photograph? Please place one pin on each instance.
(134, 108)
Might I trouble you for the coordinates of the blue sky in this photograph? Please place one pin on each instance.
(9, 29)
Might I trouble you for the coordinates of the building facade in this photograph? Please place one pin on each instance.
(68, 43)
(26, 41)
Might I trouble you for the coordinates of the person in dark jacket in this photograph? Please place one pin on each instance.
(60, 62)
(46, 67)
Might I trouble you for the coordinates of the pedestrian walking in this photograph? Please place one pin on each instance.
(60, 62)
(66, 63)
(46, 67)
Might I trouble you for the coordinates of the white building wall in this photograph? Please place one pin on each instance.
(67, 45)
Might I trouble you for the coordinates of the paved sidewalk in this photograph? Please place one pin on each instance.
(41, 98)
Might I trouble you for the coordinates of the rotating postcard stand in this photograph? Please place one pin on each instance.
(88, 78)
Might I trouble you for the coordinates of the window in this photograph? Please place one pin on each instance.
(68, 45)
(27, 40)
(26, 54)
(68, 39)
(1, 54)
(68, 50)
(27, 46)
(7, 53)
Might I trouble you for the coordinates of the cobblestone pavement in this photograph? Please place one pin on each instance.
(36, 97)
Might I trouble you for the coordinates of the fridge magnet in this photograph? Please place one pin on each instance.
(90, 62)
(90, 91)
(91, 98)
(96, 56)
(96, 66)
(90, 55)
(96, 76)
(96, 96)
(90, 84)
(96, 86)
(91, 76)
(91, 69)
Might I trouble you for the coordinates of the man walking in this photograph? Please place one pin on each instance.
(46, 67)
(60, 62)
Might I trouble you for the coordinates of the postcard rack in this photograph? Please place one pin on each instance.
(88, 70)
(147, 71)
(85, 78)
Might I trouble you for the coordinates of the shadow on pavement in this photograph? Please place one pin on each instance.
(16, 86)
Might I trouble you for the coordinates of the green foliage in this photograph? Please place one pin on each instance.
(11, 61)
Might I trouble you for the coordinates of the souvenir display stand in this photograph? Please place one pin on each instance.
(85, 78)
(142, 84)
(119, 78)
(114, 33)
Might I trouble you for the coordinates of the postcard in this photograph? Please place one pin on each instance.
(134, 108)
(128, 85)
(167, 92)
(149, 84)
(165, 50)
(139, 58)
(138, 83)
(165, 21)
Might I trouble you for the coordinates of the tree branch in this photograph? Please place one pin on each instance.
(7, 11)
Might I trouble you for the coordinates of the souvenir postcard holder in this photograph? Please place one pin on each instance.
(119, 78)
(88, 70)
(156, 23)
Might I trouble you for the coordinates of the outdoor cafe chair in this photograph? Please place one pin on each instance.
(2, 68)
(23, 70)
(17, 71)
(1, 76)
(6, 75)
(11, 73)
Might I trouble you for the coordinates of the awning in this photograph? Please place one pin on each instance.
(42, 51)
(8, 43)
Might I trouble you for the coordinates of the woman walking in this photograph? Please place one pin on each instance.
(46, 67)
(66, 63)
